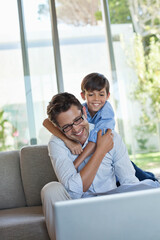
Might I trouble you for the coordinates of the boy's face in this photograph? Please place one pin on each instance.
(95, 100)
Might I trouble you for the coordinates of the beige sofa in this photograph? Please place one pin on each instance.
(22, 176)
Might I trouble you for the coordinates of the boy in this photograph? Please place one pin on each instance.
(95, 90)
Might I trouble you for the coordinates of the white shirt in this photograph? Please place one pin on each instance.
(115, 163)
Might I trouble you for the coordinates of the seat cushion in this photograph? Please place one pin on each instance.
(37, 171)
(11, 188)
(25, 223)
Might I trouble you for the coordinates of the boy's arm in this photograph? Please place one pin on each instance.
(103, 121)
(87, 151)
(74, 147)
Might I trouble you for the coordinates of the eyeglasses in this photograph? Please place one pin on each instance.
(70, 126)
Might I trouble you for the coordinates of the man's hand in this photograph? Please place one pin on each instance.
(104, 145)
(105, 142)
(109, 131)
(74, 147)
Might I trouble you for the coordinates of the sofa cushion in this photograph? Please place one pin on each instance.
(36, 170)
(11, 188)
(26, 223)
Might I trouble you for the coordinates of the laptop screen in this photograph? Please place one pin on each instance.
(124, 216)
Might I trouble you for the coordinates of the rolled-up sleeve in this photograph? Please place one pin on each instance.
(103, 120)
(62, 162)
(101, 125)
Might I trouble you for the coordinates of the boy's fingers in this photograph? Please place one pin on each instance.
(100, 132)
(109, 131)
(77, 151)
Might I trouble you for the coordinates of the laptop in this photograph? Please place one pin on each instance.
(124, 216)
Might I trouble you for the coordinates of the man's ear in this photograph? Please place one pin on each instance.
(108, 96)
(83, 96)
(84, 112)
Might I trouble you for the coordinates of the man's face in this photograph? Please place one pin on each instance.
(78, 133)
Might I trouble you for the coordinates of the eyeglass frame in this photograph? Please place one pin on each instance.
(71, 125)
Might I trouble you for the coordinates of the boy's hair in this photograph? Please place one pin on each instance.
(59, 103)
(94, 81)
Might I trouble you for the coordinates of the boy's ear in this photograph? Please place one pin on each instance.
(84, 112)
(108, 95)
(83, 95)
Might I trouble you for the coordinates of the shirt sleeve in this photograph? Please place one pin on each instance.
(124, 169)
(65, 171)
(106, 121)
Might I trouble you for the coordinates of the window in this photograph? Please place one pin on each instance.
(137, 56)
(14, 131)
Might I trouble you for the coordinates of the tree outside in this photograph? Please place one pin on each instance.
(147, 90)
(76, 12)
(82, 12)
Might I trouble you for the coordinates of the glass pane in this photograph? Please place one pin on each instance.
(41, 61)
(136, 45)
(82, 42)
(14, 130)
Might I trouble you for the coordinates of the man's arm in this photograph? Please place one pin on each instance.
(74, 147)
(104, 145)
(104, 120)
(62, 160)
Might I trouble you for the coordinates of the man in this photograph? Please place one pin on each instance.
(97, 173)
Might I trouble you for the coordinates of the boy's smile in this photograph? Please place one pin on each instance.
(95, 100)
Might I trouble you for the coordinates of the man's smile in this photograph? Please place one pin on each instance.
(78, 133)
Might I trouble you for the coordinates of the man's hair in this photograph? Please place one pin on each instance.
(59, 103)
(94, 81)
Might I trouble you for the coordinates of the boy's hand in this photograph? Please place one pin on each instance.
(74, 147)
(105, 142)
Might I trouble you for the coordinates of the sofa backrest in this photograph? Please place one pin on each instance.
(11, 188)
(36, 171)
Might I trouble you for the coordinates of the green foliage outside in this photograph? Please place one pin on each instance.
(82, 12)
(98, 15)
(4, 127)
(17, 116)
(147, 90)
(13, 127)
(147, 161)
(119, 11)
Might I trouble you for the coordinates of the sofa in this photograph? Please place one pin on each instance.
(22, 176)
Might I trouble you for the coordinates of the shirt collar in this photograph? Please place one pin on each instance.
(91, 127)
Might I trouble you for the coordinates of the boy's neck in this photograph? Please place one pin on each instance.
(92, 113)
